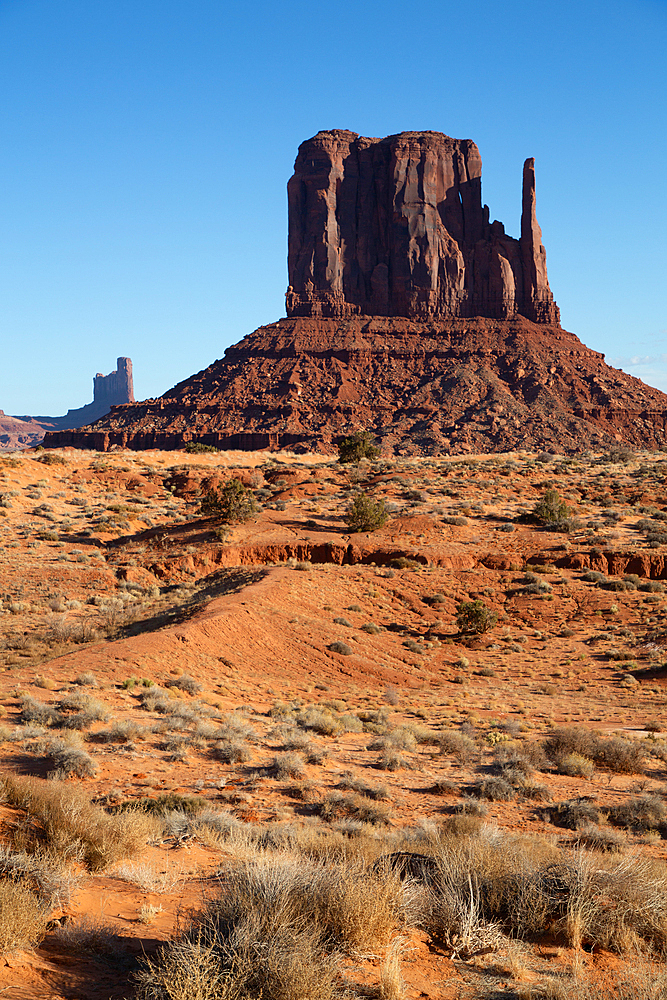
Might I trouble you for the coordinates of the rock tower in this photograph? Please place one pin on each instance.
(396, 227)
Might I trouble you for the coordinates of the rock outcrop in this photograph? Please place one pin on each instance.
(16, 433)
(409, 314)
(455, 385)
(109, 390)
(396, 227)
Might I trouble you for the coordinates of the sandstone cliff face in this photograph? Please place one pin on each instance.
(396, 227)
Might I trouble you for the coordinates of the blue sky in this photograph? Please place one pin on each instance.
(146, 146)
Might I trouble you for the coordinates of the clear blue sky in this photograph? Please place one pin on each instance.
(146, 144)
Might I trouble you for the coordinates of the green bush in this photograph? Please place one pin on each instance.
(551, 509)
(197, 448)
(365, 513)
(475, 617)
(232, 502)
(357, 446)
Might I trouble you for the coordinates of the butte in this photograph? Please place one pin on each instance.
(410, 314)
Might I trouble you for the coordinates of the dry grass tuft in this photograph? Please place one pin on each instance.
(277, 929)
(62, 820)
(23, 915)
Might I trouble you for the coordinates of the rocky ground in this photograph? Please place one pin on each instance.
(285, 689)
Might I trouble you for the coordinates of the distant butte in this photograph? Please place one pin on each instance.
(108, 390)
(408, 313)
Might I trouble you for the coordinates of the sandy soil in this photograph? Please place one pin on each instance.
(113, 583)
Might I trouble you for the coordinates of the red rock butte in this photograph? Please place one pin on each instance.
(409, 314)
(396, 227)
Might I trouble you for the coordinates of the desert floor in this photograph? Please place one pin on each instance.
(181, 701)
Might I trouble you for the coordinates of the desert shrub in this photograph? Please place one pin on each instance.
(550, 509)
(120, 732)
(474, 617)
(458, 745)
(365, 513)
(639, 813)
(231, 503)
(51, 458)
(338, 805)
(537, 587)
(370, 628)
(403, 562)
(320, 720)
(599, 838)
(197, 448)
(36, 711)
(494, 788)
(90, 711)
(276, 930)
(377, 792)
(184, 683)
(575, 765)
(391, 760)
(160, 805)
(618, 903)
(340, 647)
(612, 753)
(574, 813)
(23, 916)
(400, 738)
(288, 765)
(92, 936)
(66, 759)
(534, 791)
(593, 576)
(232, 752)
(355, 447)
(64, 821)
(86, 680)
(485, 883)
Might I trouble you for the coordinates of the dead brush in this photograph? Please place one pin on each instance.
(231, 751)
(277, 930)
(92, 936)
(38, 712)
(43, 873)
(520, 884)
(123, 731)
(146, 876)
(66, 759)
(613, 753)
(377, 792)
(640, 814)
(618, 903)
(62, 820)
(338, 805)
(288, 765)
(459, 746)
(23, 916)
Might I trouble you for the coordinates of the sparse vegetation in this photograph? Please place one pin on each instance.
(356, 447)
(474, 617)
(231, 503)
(551, 509)
(366, 514)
